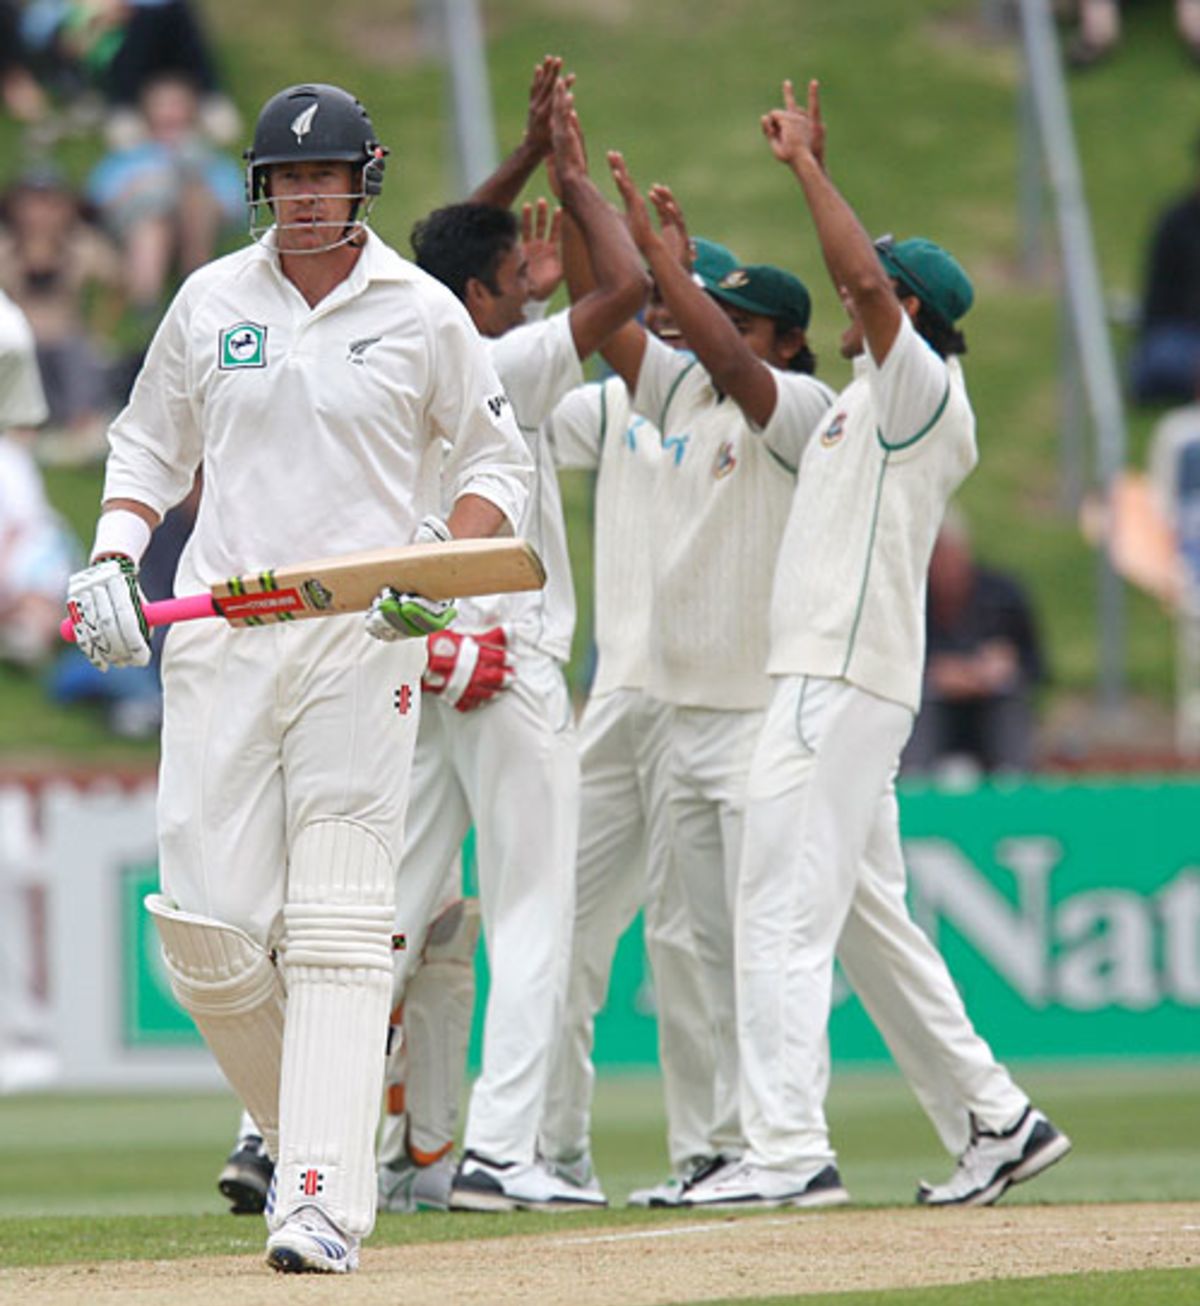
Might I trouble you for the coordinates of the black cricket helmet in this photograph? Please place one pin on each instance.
(313, 121)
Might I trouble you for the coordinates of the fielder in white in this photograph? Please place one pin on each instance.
(497, 745)
(734, 421)
(624, 733)
(822, 868)
(316, 376)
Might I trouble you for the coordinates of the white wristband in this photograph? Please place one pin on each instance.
(121, 531)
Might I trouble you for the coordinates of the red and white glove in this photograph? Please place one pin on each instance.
(467, 671)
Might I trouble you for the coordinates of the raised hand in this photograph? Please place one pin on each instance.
(793, 132)
(637, 215)
(671, 220)
(541, 101)
(540, 236)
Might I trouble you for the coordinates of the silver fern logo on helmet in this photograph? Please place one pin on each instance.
(302, 122)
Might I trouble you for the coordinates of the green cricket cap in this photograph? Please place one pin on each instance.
(711, 261)
(768, 291)
(929, 272)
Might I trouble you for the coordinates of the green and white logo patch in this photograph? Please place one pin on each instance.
(244, 345)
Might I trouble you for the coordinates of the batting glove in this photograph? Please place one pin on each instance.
(105, 608)
(394, 616)
(467, 671)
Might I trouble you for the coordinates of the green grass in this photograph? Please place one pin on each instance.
(132, 1176)
(921, 137)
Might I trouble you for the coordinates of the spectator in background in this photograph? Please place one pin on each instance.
(982, 663)
(163, 37)
(1166, 358)
(36, 554)
(65, 275)
(168, 199)
(1099, 30)
(22, 97)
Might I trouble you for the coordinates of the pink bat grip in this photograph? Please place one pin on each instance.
(163, 613)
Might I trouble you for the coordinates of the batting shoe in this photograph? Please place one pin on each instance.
(749, 1186)
(406, 1187)
(247, 1176)
(670, 1191)
(481, 1184)
(993, 1162)
(308, 1242)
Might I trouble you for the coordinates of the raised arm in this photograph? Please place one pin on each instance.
(733, 366)
(620, 281)
(506, 183)
(797, 139)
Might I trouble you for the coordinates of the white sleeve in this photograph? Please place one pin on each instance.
(576, 427)
(538, 363)
(471, 412)
(663, 369)
(800, 404)
(911, 389)
(22, 402)
(155, 441)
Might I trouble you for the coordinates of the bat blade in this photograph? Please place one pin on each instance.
(326, 586)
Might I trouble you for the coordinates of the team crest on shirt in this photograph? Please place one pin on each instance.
(725, 461)
(835, 430)
(243, 345)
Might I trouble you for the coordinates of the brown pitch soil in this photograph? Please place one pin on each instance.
(763, 1255)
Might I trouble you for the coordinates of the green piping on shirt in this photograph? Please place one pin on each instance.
(904, 444)
(862, 591)
(662, 421)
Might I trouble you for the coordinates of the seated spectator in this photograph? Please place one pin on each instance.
(162, 37)
(1166, 360)
(65, 275)
(1099, 30)
(20, 93)
(168, 199)
(36, 553)
(982, 662)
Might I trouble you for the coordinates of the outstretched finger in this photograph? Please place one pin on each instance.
(789, 95)
(814, 101)
(526, 223)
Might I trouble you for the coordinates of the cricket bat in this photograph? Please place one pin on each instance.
(328, 586)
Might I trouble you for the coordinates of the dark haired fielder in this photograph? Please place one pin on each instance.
(822, 868)
(316, 376)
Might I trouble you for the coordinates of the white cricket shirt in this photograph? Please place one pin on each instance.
(849, 594)
(22, 402)
(320, 429)
(537, 363)
(722, 497)
(595, 427)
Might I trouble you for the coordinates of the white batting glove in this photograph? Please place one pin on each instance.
(393, 615)
(467, 671)
(432, 530)
(105, 607)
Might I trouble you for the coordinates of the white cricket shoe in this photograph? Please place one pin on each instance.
(581, 1175)
(993, 1162)
(670, 1191)
(481, 1184)
(746, 1185)
(308, 1242)
(406, 1187)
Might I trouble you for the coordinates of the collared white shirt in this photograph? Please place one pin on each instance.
(320, 429)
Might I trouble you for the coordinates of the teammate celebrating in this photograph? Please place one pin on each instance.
(822, 866)
(316, 375)
(735, 419)
(497, 740)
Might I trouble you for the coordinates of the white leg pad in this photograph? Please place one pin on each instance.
(233, 991)
(338, 919)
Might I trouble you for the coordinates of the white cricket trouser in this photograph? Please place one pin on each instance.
(264, 731)
(822, 871)
(511, 768)
(708, 763)
(623, 754)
